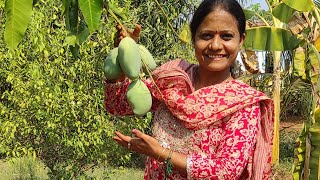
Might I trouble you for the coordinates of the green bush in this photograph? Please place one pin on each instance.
(52, 104)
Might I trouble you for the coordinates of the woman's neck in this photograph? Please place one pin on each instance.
(205, 78)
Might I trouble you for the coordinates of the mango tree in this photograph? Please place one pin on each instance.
(51, 103)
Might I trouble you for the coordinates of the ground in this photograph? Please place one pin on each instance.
(291, 124)
(290, 128)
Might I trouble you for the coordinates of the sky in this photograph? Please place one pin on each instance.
(262, 3)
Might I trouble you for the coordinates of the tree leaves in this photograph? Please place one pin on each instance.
(91, 10)
(185, 35)
(18, 14)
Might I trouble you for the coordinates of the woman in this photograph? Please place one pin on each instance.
(206, 124)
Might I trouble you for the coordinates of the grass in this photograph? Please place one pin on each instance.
(126, 174)
(25, 168)
(30, 169)
(283, 170)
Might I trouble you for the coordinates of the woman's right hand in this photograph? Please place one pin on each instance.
(135, 34)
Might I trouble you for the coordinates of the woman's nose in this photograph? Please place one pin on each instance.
(216, 43)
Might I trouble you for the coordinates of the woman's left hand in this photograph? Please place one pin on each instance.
(140, 143)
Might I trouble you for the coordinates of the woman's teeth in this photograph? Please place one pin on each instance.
(215, 56)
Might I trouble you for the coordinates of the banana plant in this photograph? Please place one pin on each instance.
(301, 20)
(307, 60)
(271, 36)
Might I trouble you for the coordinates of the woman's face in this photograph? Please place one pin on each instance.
(217, 41)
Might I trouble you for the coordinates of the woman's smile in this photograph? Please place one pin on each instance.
(216, 57)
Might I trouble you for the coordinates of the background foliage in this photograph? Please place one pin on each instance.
(51, 103)
(51, 84)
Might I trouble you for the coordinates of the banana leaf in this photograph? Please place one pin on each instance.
(300, 5)
(314, 58)
(317, 43)
(283, 12)
(270, 39)
(299, 66)
(315, 141)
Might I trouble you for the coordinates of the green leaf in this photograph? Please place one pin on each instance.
(91, 10)
(83, 36)
(185, 35)
(300, 5)
(314, 158)
(18, 14)
(71, 40)
(71, 15)
(283, 12)
(116, 10)
(314, 57)
(248, 13)
(270, 39)
(299, 66)
(64, 5)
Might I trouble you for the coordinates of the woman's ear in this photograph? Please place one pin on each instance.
(242, 39)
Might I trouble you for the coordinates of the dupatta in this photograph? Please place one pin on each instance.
(210, 105)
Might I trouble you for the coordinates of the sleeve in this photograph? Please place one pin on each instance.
(231, 156)
(115, 101)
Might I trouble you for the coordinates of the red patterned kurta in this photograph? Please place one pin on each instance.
(225, 130)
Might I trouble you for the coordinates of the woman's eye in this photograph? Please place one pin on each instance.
(227, 36)
(206, 36)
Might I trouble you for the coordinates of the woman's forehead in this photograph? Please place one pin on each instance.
(219, 20)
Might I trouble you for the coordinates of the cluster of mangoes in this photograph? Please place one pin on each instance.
(132, 60)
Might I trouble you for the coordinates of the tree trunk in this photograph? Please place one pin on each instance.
(276, 100)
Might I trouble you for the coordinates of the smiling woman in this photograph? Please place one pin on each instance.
(217, 43)
(206, 124)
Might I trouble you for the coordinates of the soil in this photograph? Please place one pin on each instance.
(291, 124)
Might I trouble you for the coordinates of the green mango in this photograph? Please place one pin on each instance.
(139, 97)
(112, 69)
(147, 58)
(129, 58)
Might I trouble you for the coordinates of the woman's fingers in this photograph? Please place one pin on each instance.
(128, 142)
(137, 30)
(122, 34)
(123, 137)
(139, 134)
(118, 27)
(140, 143)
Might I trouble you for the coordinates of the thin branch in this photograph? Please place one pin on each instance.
(165, 14)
